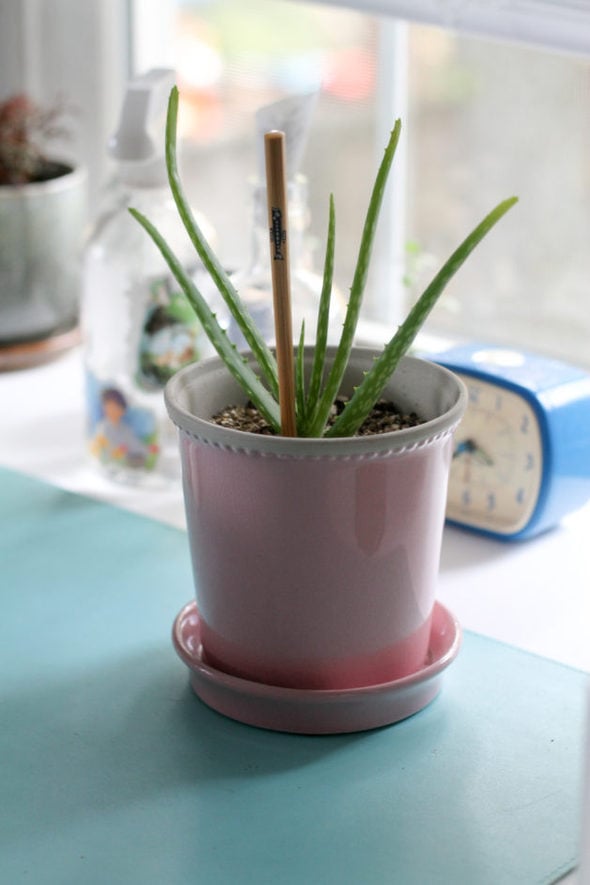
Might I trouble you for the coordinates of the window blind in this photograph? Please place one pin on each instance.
(557, 24)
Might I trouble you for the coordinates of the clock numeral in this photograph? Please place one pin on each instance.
(474, 395)
(498, 404)
(520, 496)
(529, 461)
(466, 498)
(525, 424)
(491, 502)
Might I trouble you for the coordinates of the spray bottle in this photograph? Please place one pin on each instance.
(138, 327)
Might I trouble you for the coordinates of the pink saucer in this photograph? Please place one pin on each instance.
(310, 711)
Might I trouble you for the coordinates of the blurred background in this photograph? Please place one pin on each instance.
(483, 119)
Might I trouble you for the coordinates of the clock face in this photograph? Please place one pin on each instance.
(497, 461)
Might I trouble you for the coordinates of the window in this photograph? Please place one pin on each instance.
(484, 119)
(233, 58)
(488, 120)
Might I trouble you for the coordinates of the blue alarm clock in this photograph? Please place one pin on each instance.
(522, 451)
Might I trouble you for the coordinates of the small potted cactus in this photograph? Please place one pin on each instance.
(315, 553)
(42, 218)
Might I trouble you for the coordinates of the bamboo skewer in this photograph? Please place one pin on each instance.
(276, 188)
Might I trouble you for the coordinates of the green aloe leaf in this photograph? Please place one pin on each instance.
(357, 289)
(234, 361)
(319, 356)
(258, 346)
(369, 391)
(301, 406)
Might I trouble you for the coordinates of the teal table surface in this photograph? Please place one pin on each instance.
(113, 772)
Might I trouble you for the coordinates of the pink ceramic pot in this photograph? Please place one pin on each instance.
(316, 561)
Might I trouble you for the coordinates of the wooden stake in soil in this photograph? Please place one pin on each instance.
(276, 189)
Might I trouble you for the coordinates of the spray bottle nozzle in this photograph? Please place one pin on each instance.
(138, 142)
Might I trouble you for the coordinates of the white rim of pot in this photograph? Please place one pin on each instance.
(448, 389)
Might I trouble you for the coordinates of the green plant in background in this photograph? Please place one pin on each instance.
(313, 405)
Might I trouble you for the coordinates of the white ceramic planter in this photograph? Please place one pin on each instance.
(316, 561)
(41, 234)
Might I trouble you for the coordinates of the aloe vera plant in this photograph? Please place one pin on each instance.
(313, 405)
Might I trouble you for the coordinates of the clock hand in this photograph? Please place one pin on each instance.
(483, 457)
(466, 447)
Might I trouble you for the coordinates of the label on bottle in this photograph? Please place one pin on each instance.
(120, 433)
(169, 336)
